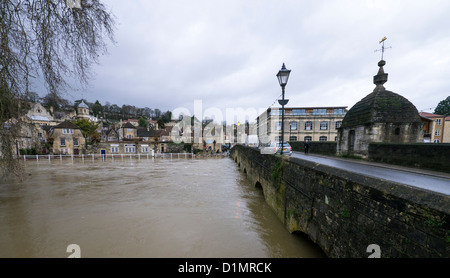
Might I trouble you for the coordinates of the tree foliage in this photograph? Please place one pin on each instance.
(142, 122)
(443, 108)
(97, 109)
(89, 129)
(49, 41)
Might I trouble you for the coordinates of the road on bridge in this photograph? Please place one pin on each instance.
(434, 181)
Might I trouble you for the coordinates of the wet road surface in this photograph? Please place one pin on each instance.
(438, 182)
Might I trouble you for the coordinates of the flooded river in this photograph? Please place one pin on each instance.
(141, 208)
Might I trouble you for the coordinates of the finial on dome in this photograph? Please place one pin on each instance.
(381, 77)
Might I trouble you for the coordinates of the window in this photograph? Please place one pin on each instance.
(130, 148)
(129, 136)
(144, 149)
(338, 124)
(320, 111)
(437, 141)
(323, 125)
(62, 142)
(308, 126)
(438, 122)
(437, 132)
(322, 138)
(39, 134)
(278, 126)
(293, 125)
(339, 111)
(308, 138)
(114, 149)
(275, 112)
(278, 138)
(298, 112)
(292, 138)
(64, 151)
(397, 131)
(75, 141)
(67, 131)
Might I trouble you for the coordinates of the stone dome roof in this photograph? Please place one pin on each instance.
(83, 104)
(381, 106)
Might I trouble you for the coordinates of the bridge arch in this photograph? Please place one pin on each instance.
(258, 184)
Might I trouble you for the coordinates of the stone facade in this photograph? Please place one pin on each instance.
(83, 111)
(67, 138)
(300, 124)
(127, 131)
(345, 213)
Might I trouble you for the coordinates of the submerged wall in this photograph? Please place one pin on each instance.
(345, 213)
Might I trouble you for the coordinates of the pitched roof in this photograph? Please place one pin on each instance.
(128, 125)
(430, 115)
(143, 132)
(67, 124)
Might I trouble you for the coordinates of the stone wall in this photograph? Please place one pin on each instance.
(422, 155)
(318, 147)
(344, 213)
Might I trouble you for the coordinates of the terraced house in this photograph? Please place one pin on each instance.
(66, 138)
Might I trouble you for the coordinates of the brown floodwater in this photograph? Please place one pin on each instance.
(184, 208)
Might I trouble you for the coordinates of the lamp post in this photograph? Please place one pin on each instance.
(283, 76)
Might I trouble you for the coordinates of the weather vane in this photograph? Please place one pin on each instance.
(382, 47)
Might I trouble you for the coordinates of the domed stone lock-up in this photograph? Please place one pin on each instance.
(381, 116)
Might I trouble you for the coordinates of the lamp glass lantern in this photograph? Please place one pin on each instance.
(283, 76)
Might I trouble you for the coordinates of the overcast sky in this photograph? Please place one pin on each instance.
(226, 54)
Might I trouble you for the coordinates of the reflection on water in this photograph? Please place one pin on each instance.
(141, 208)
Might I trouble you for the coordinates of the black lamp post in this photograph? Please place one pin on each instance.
(283, 76)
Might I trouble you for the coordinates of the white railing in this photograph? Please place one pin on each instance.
(119, 156)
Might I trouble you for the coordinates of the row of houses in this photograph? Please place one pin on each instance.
(46, 134)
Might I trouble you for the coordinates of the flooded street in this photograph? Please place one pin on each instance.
(141, 208)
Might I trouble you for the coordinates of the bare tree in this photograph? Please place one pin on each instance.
(53, 40)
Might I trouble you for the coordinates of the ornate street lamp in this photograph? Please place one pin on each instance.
(283, 76)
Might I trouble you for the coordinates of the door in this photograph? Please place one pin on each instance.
(103, 154)
(351, 140)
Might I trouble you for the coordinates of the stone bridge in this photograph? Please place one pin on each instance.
(347, 213)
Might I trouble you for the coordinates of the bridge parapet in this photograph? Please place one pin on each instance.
(344, 212)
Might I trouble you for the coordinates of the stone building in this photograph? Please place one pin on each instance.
(66, 138)
(39, 115)
(435, 128)
(446, 136)
(127, 131)
(300, 124)
(382, 116)
(83, 111)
